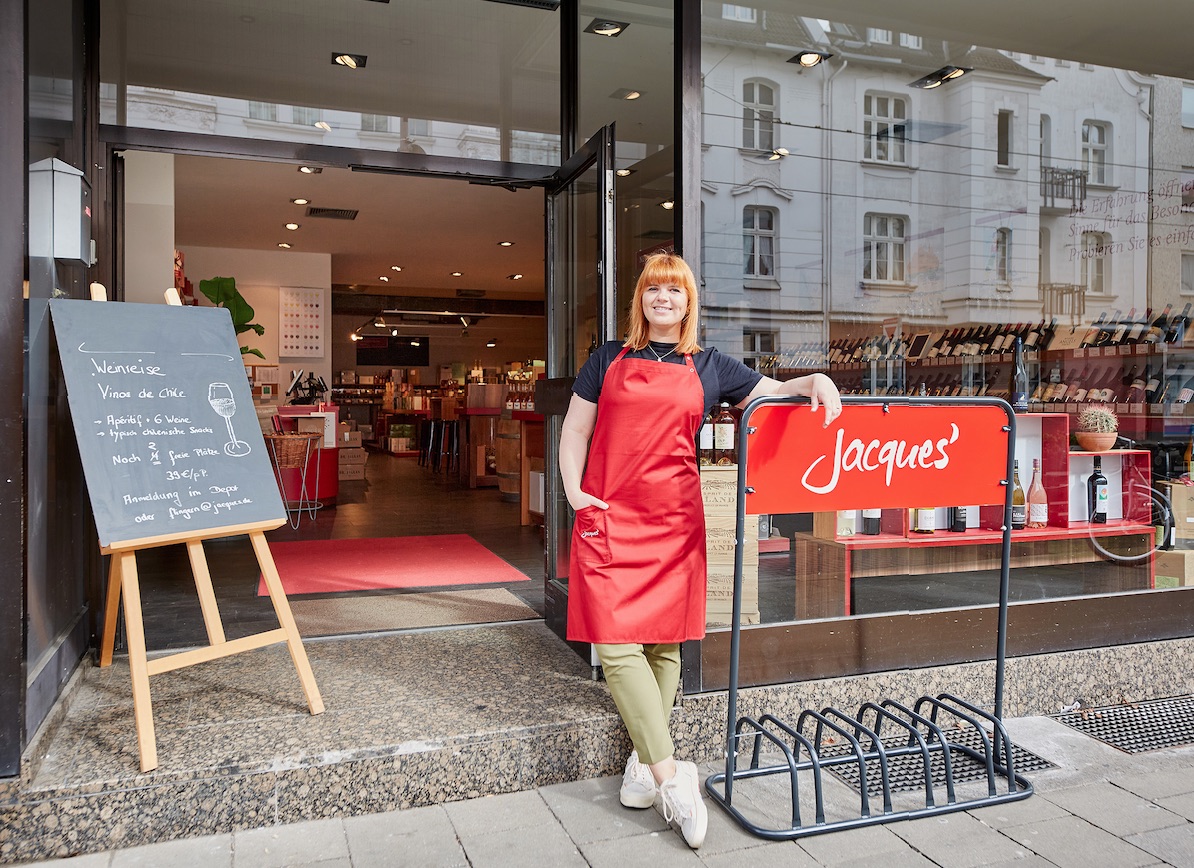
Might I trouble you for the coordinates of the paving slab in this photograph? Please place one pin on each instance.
(1071, 842)
(590, 811)
(485, 816)
(1113, 809)
(649, 850)
(1157, 784)
(1031, 810)
(546, 847)
(91, 860)
(415, 838)
(958, 840)
(766, 855)
(296, 844)
(212, 851)
(835, 848)
(1175, 845)
(1183, 805)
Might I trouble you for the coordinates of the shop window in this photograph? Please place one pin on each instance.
(1046, 140)
(758, 241)
(910, 40)
(758, 115)
(1003, 138)
(307, 117)
(1188, 105)
(758, 349)
(1003, 255)
(418, 127)
(884, 128)
(883, 240)
(1096, 144)
(1095, 247)
(734, 12)
(375, 123)
(262, 111)
(1044, 265)
(878, 36)
(1187, 273)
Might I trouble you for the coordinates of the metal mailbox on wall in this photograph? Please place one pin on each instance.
(59, 212)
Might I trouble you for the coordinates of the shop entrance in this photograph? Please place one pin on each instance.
(446, 527)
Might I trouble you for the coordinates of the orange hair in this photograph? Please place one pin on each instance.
(664, 268)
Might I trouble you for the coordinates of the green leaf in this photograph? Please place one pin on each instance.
(245, 351)
(222, 292)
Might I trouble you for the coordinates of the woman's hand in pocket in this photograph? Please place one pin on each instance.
(580, 499)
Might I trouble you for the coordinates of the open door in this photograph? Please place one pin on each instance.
(581, 315)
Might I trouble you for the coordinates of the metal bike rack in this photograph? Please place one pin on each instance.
(928, 733)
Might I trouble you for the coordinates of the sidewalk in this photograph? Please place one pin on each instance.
(1098, 807)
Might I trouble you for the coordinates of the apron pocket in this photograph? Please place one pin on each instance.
(589, 537)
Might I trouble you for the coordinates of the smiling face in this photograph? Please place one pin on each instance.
(664, 306)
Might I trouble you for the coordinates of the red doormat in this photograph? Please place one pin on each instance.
(328, 566)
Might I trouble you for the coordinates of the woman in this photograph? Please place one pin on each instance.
(637, 573)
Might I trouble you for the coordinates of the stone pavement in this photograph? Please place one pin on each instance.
(1098, 807)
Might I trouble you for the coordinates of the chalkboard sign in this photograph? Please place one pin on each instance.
(164, 419)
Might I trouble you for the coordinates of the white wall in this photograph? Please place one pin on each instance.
(259, 274)
(148, 227)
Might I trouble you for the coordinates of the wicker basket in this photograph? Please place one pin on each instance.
(291, 450)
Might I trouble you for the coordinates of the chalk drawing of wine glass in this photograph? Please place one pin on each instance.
(219, 395)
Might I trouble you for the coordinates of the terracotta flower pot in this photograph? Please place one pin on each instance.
(1095, 441)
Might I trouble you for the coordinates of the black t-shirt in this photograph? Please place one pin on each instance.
(723, 378)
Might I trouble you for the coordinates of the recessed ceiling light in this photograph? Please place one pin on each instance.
(622, 173)
(292, 226)
(457, 273)
(668, 205)
(384, 279)
(626, 93)
(810, 57)
(936, 79)
(491, 343)
(310, 170)
(395, 268)
(352, 61)
(606, 27)
(353, 336)
(323, 125)
(393, 333)
(505, 244)
(300, 201)
(513, 277)
(415, 342)
(283, 245)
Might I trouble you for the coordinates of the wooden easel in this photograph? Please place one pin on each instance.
(122, 582)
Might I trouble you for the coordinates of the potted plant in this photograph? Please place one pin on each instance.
(1097, 427)
(222, 292)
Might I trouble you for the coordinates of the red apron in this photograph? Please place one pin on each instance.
(637, 569)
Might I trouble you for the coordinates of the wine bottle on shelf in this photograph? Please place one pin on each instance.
(1136, 389)
(1033, 336)
(924, 520)
(1097, 494)
(1018, 391)
(1173, 385)
(958, 516)
(1176, 333)
(1152, 386)
(1055, 382)
(1137, 328)
(871, 519)
(1047, 334)
(1019, 507)
(1186, 392)
(705, 453)
(724, 431)
(1090, 339)
(1061, 390)
(1160, 327)
(1109, 330)
(1038, 502)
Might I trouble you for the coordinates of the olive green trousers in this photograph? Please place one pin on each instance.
(643, 680)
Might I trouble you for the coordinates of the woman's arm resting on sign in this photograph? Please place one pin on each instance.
(574, 451)
(818, 387)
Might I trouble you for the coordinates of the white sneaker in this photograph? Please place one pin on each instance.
(681, 799)
(638, 784)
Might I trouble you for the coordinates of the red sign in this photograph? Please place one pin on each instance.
(905, 457)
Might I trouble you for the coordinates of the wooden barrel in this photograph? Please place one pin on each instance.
(509, 458)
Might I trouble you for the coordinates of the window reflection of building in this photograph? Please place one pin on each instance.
(758, 241)
(883, 254)
(758, 115)
(1095, 146)
(1095, 250)
(884, 128)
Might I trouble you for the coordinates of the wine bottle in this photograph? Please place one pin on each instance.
(1137, 328)
(846, 519)
(1173, 385)
(924, 520)
(1136, 389)
(705, 455)
(1186, 392)
(1018, 392)
(1096, 493)
(1019, 507)
(1047, 334)
(958, 516)
(1177, 326)
(1121, 328)
(1038, 502)
(1092, 334)
(1034, 335)
(1160, 327)
(724, 429)
(1108, 331)
(871, 519)
(1152, 387)
(1054, 383)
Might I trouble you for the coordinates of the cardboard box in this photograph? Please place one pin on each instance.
(318, 423)
(401, 444)
(353, 455)
(350, 439)
(352, 471)
(1181, 498)
(1177, 567)
(719, 490)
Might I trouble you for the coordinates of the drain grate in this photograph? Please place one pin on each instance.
(1138, 726)
(907, 773)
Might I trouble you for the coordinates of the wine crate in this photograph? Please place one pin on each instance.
(1177, 567)
(719, 491)
(1181, 498)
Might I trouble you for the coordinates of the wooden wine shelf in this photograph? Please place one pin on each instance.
(980, 536)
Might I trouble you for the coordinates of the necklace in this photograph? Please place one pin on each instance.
(656, 355)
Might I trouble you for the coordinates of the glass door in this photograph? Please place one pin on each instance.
(581, 315)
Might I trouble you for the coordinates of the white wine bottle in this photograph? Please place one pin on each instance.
(1019, 503)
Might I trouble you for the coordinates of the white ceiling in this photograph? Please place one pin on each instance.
(493, 63)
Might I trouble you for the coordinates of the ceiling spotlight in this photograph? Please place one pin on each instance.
(667, 205)
(513, 277)
(352, 61)
(810, 57)
(310, 170)
(395, 268)
(626, 93)
(778, 154)
(457, 274)
(414, 342)
(491, 343)
(393, 333)
(505, 244)
(300, 201)
(464, 321)
(384, 279)
(606, 27)
(292, 226)
(354, 337)
(284, 245)
(323, 125)
(938, 78)
(622, 173)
